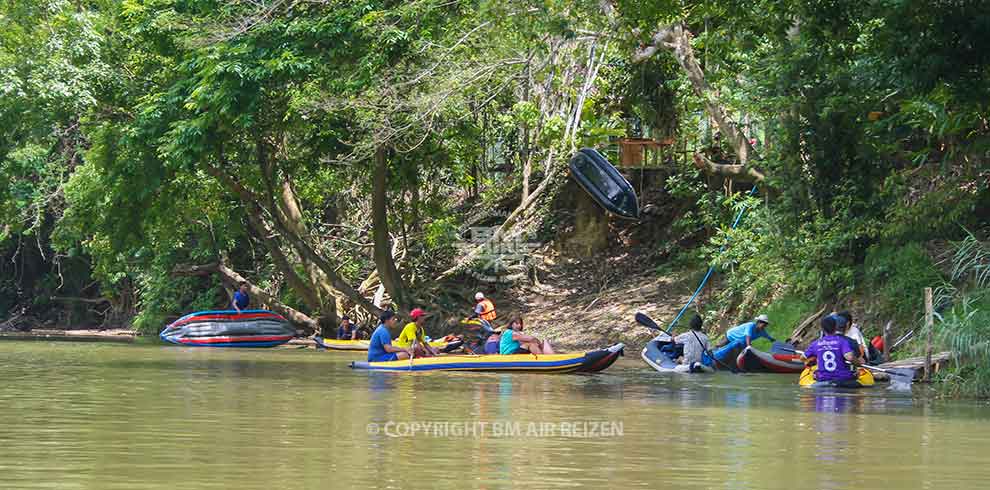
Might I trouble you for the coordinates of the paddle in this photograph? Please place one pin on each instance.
(648, 322)
(898, 375)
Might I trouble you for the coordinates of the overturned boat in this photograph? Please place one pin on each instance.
(604, 183)
(249, 328)
(592, 361)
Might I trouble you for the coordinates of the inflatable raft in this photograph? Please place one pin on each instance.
(660, 354)
(752, 360)
(593, 361)
(604, 183)
(864, 379)
(362, 345)
(249, 328)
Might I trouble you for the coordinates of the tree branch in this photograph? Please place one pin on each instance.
(740, 172)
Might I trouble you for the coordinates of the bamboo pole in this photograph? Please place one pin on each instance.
(929, 324)
(886, 343)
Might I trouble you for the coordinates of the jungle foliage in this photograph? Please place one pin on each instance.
(330, 151)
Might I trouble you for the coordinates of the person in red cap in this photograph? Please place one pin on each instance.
(413, 333)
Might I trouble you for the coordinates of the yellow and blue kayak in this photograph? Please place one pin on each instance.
(362, 345)
(864, 379)
(593, 361)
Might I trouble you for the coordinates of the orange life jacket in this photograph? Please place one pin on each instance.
(487, 310)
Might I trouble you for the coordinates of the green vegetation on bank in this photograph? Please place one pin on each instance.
(153, 152)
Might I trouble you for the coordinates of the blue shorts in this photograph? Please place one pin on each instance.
(389, 356)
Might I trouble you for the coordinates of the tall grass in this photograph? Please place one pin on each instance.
(964, 328)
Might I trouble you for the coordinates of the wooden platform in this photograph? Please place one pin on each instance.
(916, 363)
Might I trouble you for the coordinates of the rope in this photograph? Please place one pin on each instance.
(711, 269)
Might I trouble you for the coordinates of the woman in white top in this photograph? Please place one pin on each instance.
(853, 332)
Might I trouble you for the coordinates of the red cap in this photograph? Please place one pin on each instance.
(417, 313)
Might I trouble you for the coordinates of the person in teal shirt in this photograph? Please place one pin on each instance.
(742, 336)
(513, 341)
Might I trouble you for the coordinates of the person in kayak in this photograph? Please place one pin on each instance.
(414, 333)
(346, 330)
(381, 348)
(742, 336)
(695, 343)
(241, 298)
(866, 350)
(513, 341)
(833, 353)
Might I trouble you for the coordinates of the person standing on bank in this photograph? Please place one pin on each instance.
(241, 299)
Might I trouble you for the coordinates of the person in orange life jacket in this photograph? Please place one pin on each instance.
(241, 298)
(484, 309)
(513, 341)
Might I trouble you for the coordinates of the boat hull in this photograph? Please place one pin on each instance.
(661, 360)
(543, 363)
(604, 183)
(756, 361)
(864, 379)
(249, 328)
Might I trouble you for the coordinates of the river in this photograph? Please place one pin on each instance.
(147, 416)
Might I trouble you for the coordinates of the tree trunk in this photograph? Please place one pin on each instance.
(305, 291)
(677, 39)
(591, 230)
(389, 274)
(306, 251)
(292, 213)
(739, 172)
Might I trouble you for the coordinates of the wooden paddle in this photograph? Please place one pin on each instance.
(648, 322)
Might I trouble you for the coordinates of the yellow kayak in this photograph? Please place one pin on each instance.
(864, 379)
(362, 345)
(592, 361)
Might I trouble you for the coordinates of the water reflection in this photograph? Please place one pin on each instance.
(141, 417)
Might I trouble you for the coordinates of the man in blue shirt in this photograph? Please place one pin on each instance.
(381, 348)
(346, 331)
(742, 336)
(241, 299)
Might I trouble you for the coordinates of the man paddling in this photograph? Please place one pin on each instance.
(742, 336)
(241, 298)
(695, 343)
(833, 353)
(414, 332)
(381, 348)
(513, 341)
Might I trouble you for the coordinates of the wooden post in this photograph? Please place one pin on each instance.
(930, 325)
(886, 343)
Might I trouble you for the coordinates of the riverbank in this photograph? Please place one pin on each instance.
(83, 335)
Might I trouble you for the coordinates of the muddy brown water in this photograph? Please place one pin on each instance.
(148, 416)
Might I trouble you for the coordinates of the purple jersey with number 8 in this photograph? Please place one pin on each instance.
(830, 354)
